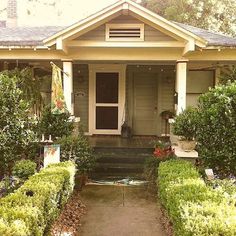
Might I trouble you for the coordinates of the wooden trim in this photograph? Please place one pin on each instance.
(93, 69)
(89, 43)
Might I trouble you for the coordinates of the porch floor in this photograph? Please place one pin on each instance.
(119, 142)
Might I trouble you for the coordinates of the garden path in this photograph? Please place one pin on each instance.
(120, 211)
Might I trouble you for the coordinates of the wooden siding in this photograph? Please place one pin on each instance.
(80, 88)
(150, 34)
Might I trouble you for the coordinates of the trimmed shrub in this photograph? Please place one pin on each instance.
(216, 129)
(36, 204)
(193, 207)
(23, 169)
(77, 148)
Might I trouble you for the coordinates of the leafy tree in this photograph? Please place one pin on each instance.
(228, 76)
(15, 124)
(56, 125)
(212, 15)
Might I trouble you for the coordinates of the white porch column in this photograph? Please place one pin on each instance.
(68, 85)
(180, 85)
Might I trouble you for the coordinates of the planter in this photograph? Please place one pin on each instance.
(81, 180)
(186, 145)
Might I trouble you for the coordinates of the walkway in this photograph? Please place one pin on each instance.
(120, 211)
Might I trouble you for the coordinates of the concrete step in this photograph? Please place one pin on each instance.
(116, 176)
(119, 168)
(107, 158)
(123, 150)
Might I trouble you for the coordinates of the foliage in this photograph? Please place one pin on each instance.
(225, 185)
(23, 169)
(162, 152)
(185, 124)
(193, 207)
(33, 207)
(77, 148)
(216, 129)
(214, 15)
(228, 76)
(56, 125)
(27, 83)
(15, 124)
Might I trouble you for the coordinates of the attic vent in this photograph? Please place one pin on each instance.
(124, 32)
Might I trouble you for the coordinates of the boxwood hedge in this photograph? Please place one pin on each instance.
(34, 206)
(194, 208)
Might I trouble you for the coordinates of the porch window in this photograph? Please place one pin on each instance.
(125, 32)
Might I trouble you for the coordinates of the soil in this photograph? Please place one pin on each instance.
(69, 220)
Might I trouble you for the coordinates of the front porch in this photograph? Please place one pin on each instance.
(104, 95)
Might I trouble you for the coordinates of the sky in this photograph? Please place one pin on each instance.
(44, 12)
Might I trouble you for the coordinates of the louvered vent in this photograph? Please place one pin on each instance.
(124, 32)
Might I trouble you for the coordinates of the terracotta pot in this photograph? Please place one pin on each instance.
(186, 145)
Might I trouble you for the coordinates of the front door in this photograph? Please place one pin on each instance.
(145, 104)
(106, 98)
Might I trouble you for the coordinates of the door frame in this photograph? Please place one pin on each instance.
(106, 68)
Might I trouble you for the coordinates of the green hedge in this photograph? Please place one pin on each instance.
(34, 206)
(194, 208)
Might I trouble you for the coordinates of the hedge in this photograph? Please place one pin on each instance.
(194, 208)
(34, 206)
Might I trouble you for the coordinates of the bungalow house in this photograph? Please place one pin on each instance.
(123, 63)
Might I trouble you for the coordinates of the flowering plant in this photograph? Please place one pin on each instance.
(163, 150)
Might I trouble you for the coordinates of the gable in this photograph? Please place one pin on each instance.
(150, 34)
(166, 33)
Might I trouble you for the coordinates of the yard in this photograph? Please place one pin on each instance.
(91, 114)
(37, 201)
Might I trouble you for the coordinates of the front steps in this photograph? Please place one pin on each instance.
(115, 163)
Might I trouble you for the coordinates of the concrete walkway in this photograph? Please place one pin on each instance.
(120, 211)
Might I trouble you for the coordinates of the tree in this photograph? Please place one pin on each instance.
(214, 15)
(15, 124)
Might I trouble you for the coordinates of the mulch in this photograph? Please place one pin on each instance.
(68, 221)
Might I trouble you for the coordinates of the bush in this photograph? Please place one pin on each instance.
(185, 124)
(77, 148)
(35, 205)
(216, 130)
(24, 169)
(56, 125)
(193, 207)
(15, 124)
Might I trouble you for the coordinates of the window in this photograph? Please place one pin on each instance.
(125, 32)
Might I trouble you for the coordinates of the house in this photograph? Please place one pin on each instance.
(123, 63)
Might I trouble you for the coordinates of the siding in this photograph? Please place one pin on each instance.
(80, 88)
(150, 34)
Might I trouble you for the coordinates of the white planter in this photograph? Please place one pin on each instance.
(186, 145)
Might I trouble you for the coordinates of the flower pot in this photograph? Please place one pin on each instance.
(187, 145)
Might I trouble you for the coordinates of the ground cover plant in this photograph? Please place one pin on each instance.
(32, 208)
(193, 207)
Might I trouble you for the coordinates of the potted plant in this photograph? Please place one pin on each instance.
(184, 126)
